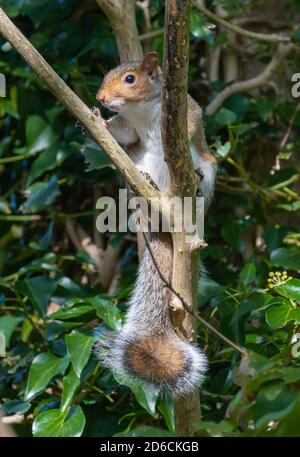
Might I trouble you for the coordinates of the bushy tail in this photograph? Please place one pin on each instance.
(147, 348)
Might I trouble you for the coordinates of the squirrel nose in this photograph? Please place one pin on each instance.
(101, 98)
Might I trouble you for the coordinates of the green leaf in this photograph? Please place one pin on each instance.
(215, 429)
(79, 347)
(291, 206)
(39, 290)
(288, 258)
(43, 368)
(146, 394)
(290, 290)
(225, 117)
(53, 423)
(200, 27)
(265, 410)
(248, 274)
(104, 308)
(41, 194)
(45, 161)
(166, 407)
(95, 158)
(15, 406)
(207, 289)
(277, 316)
(70, 385)
(291, 375)
(255, 301)
(223, 149)
(65, 314)
(296, 36)
(39, 134)
(107, 312)
(7, 327)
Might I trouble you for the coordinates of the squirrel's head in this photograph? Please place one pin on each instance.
(131, 82)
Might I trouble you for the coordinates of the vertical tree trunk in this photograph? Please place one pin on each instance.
(183, 183)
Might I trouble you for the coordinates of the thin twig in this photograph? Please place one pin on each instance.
(291, 124)
(153, 34)
(253, 83)
(188, 308)
(271, 38)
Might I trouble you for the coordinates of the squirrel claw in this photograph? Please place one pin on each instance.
(200, 173)
(96, 112)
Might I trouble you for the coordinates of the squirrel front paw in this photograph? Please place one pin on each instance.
(149, 179)
(97, 113)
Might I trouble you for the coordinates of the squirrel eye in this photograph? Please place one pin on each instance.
(130, 79)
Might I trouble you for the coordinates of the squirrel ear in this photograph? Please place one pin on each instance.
(150, 63)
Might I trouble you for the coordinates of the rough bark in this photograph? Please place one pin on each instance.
(183, 183)
(121, 14)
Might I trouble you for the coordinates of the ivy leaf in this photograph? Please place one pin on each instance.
(223, 149)
(104, 308)
(200, 27)
(39, 134)
(225, 117)
(45, 161)
(277, 316)
(108, 313)
(53, 423)
(7, 327)
(290, 290)
(39, 290)
(255, 301)
(95, 158)
(42, 194)
(70, 385)
(146, 394)
(71, 313)
(265, 410)
(43, 368)
(291, 375)
(166, 407)
(288, 258)
(248, 273)
(15, 406)
(79, 346)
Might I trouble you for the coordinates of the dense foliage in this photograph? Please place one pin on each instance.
(51, 298)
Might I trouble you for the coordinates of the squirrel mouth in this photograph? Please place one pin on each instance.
(114, 106)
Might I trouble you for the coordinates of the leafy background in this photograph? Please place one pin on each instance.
(51, 297)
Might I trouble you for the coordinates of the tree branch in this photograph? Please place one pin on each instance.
(77, 108)
(271, 38)
(174, 98)
(183, 183)
(254, 83)
(121, 14)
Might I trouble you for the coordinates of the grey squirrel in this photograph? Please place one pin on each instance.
(147, 347)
